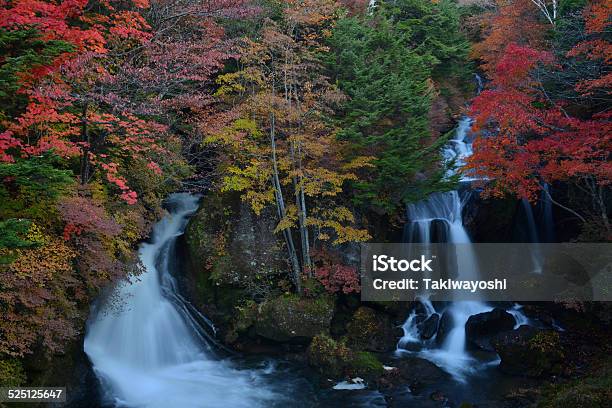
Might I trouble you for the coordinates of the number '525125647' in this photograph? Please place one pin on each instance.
(33, 394)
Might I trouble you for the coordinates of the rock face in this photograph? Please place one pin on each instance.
(231, 254)
(480, 328)
(529, 351)
(371, 331)
(291, 318)
(429, 327)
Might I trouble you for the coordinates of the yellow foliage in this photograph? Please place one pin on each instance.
(259, 200)
(288, 221)
(98, 192)
(35, 234)
(229, 83)
(38, 265)
(359, 162)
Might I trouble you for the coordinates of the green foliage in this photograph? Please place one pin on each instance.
(37, 176)
(386, 63)
(23, 51)
(31, 186)
(433, 30)
(367, 365)
(12, 234)
(590, 392)
(11, 373)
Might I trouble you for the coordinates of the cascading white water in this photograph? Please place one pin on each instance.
(532, 229)
(547, 214)
(424, 217)
(532, 234)
(147, 353)
(445, 209)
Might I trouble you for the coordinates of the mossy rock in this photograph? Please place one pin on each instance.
(530, 352)
(365, 365)
(334, 359)
(371, 331)
(290, 317)
(328, 357)
(232, 255)
(11, 373)
(244, 318)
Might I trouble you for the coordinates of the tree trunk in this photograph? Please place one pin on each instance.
(302, 215)
(603, 209)
(282, 212)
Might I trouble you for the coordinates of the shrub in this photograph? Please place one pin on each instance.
(338, 278)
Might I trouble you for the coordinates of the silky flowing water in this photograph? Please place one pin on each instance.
(152, 348)
(148, 352)
(439, 219)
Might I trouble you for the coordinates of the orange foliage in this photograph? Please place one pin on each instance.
(513, 21)
(36, 293)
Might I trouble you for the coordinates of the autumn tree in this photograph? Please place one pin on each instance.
(549, 115)
(510, 21)
(81, 137)
(278, 147)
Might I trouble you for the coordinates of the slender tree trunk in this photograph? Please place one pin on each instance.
(282, 212)
(299, 190)
(601, 203)
(300, 203)
(558, 204)
(302, 214)
(296, 161)
(304, 232)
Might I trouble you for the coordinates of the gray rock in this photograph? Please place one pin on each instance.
(481, 327)
(418, 370)
(444, 327)
(291, 318)
(429, 327)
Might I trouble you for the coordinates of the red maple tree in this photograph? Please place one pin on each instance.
(538, 137)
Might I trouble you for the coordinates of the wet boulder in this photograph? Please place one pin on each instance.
(371, 330)
(419, 373)
(444, 327)
(529, 351)
(428, 327)
(481, 327)
(418, 308)
(292, 318)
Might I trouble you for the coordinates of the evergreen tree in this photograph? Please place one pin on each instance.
(386, 62)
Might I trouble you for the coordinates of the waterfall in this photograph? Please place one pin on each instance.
(548, 226)
(532, 230)
(532, 235)
(479, 83)
(149, 351)
(438, 219)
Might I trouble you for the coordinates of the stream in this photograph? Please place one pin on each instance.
(151, 348)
